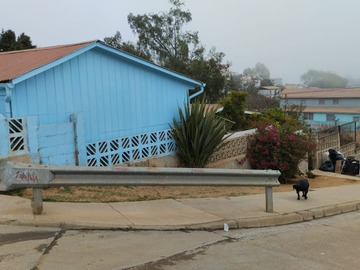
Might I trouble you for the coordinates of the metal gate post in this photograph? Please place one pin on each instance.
(269, 199)
(37, 203)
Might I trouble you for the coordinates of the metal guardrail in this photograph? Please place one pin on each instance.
(18, 175)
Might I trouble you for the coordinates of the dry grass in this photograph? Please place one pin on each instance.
(142, 193)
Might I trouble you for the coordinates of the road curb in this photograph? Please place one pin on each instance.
(328, 211)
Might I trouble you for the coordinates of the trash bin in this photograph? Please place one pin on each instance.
(351, 166)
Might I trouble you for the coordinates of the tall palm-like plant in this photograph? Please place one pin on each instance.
(198, 133)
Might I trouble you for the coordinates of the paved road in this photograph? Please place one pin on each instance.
(331, 243)
(328, 243)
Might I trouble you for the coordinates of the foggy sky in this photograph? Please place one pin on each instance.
(288, 36)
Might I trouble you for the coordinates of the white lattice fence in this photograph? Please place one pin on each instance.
(329, 141)
(342, 138)
(235, 146)
(130, 148)
(17, 136)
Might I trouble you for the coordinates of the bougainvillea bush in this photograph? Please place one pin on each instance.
(276, 148)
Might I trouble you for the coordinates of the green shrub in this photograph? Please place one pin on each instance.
(233, 109)
(198, 133)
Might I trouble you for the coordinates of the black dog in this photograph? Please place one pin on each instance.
(302, 185)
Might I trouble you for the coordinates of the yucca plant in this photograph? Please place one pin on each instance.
(198, 133)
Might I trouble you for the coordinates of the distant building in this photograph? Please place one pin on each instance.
(270, 91)
(247, 79)
(324, 107)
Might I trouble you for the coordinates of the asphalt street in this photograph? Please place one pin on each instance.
(327, 243)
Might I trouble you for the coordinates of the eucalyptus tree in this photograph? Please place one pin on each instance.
(161, 37)
(117, 41)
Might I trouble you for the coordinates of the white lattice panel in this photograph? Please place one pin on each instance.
(234, 147)
(130, 148)
(17, 140)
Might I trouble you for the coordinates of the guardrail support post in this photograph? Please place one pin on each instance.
(269, 199)
(37, 203)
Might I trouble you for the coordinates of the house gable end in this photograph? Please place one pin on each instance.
(115, 52)
(106, 87)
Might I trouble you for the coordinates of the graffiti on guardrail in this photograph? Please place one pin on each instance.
(27, 176)
(120, 169)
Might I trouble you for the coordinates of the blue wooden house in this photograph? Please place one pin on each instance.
(88, 104)
(324, 107)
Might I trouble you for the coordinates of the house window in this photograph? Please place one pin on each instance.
(321, 101)
(335, 101)
(308, 116)
(330, 117)
(303, 101)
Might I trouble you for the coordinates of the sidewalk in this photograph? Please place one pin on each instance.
(211, 213)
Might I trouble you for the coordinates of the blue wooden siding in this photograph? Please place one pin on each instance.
(117, 97)
(57, 144)
(2, 101)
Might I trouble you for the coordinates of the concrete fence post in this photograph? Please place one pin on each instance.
(4, 137)
(79, 138)
(33, 138)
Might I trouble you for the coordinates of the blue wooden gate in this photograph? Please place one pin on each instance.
(57, 144)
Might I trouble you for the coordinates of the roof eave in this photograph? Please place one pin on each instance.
(52, 64)
(110, 49)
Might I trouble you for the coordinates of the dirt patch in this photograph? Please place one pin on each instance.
(142, 193)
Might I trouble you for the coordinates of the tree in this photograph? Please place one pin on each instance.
(266, 82)
(262, 71)
(129, 47)
(250, 81)
(233, 82)
(9, 42)
(321, 79)
(163, 35)
(260, 103)
(163, 38)
(212, 71)
(289, 120)
(233, 109)
(24, 42)
(260, 74)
